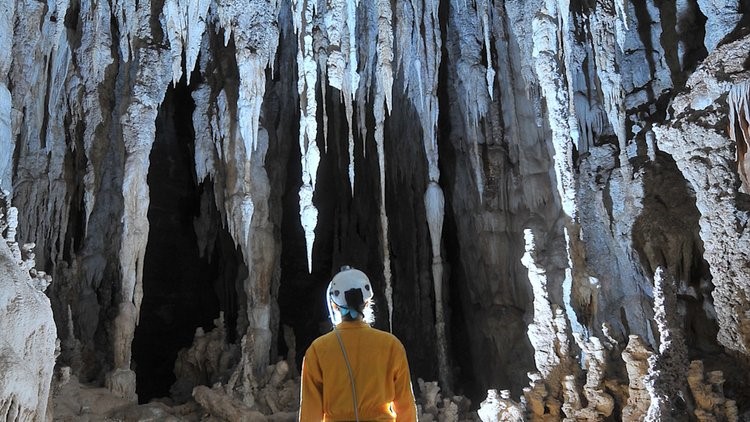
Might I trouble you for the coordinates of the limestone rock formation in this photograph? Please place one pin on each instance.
(550, 198)
(28, 335)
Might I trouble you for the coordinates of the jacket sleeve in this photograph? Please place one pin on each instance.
(403, 404)
(311, 394)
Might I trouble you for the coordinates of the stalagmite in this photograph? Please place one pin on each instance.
(542, 406)
(600, 404)
(636, 356)
(205, 362)
(379, 111)
(710, 403)
(500, 408)
(218, 403)
(666, 379)
(547, 333)
(434, 202)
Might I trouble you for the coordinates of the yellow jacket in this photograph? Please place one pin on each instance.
(381, 375)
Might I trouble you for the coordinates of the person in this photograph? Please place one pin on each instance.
(355, 372)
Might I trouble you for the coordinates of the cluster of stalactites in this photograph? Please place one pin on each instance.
(330, 40)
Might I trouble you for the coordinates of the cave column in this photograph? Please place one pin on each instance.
(138, 131)
(426, 104)
(248, 196)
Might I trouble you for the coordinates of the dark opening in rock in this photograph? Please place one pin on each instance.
(183, 280)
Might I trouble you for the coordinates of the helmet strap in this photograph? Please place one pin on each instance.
(353, 313)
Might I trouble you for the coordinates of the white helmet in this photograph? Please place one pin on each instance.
(349, 278)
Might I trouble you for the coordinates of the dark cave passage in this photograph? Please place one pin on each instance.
(184, 287)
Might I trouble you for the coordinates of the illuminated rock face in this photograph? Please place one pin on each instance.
(28, 342)
(511, 175)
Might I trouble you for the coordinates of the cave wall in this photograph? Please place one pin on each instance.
(29, 341)
(327, 135)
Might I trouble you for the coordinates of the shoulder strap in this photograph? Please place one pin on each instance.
(351, 375)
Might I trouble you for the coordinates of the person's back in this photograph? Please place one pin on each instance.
(374, 359)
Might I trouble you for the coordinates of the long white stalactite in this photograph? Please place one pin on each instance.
(307, 72)
(381, 107)
(351, 79)
(554, 89)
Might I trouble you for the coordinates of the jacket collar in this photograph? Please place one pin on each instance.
(351, 324)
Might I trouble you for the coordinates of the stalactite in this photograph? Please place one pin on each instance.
(605, 42)
(379, 112)
(549, 72)
(573, 55)
(308, 76)
(488, 50)
(95, 49)
(385, 51)
(739, 129)
(474, 104)
(38, 110)
(341, 63)
(254, 54)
